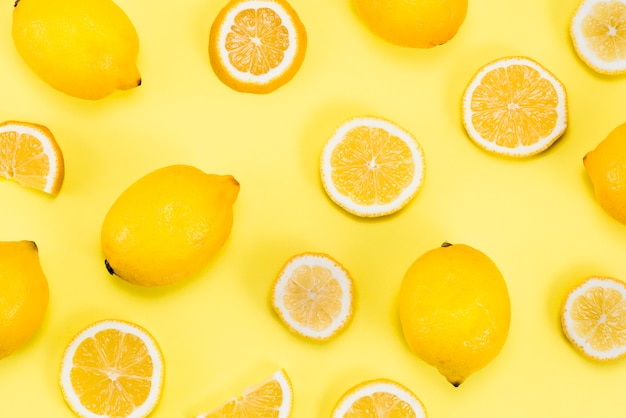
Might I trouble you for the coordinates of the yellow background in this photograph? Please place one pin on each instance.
(536, 218)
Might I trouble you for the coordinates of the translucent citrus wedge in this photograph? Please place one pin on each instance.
(593, 317)
(514, 107)
(313, 296)
(379, 398)
(271, 398)
(30, 155)
(372, 167)
(256, 46)
(112, 368)
(598, 33)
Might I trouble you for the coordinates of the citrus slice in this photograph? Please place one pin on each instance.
(598, 33)
(112, 368)
(313, 296)
(379, 398)
(514, 107)
(372, 167)
(256, 46)
(30, 155)
(271, 398)
(593, 318)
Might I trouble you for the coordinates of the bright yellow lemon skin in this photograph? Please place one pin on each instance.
(85, 48)
(168, 224)
(413, 23)
(24, 294)
(455, 310)
(606, 168)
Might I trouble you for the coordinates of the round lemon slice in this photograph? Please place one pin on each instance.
(256, 46)
(386, 397)
(593, 317)
(372, 167)
(112, 368)
(514, 107)
(597, 31)
(313, 296)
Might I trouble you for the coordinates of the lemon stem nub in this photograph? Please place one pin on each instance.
(109, 268)
(446, 244)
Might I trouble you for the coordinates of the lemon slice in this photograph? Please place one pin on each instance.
(313, 296)
(256, 46)
(593, 318)
(272, 397)
(379, 398)
(112, 368)
(598, 33)
(372, 167)
(30, 156)
(514, 107)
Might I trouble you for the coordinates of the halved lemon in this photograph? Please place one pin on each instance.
(112, 368)
(515, 107)
(593, 317)
(30, 155)
(598, 33)
(272, 397)
(371, 166)
(256, 46)
(379, 398)
(313, 296)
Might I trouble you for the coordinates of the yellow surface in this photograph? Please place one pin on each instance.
(536, 218)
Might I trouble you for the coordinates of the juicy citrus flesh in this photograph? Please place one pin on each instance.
(257, 46)
(30, 156)
(414, 24)
(112, 368)
(515, 107)
(606, 168)
(168, 224)
(598, 33)
(593, 317)
(379, 398)
(455, 310)
(272, 397)
(313, 296)
(87, 49)
(372, 167)
(24, 294)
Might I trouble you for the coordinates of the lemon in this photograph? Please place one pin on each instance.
(23, 294)
(85, 48)
(414, 24)
(606, 168)
(455, 310)
(168, 224)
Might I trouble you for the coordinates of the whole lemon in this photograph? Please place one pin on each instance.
(85, 48)
(413, 23)
(168, 224)
(455, 310)
(606, 168)
(24, 294)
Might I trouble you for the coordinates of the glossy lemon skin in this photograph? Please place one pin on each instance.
(413, 23)
(24, 294)
(455, 310)
(85, 48)
(168, 224)
(606, 168)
